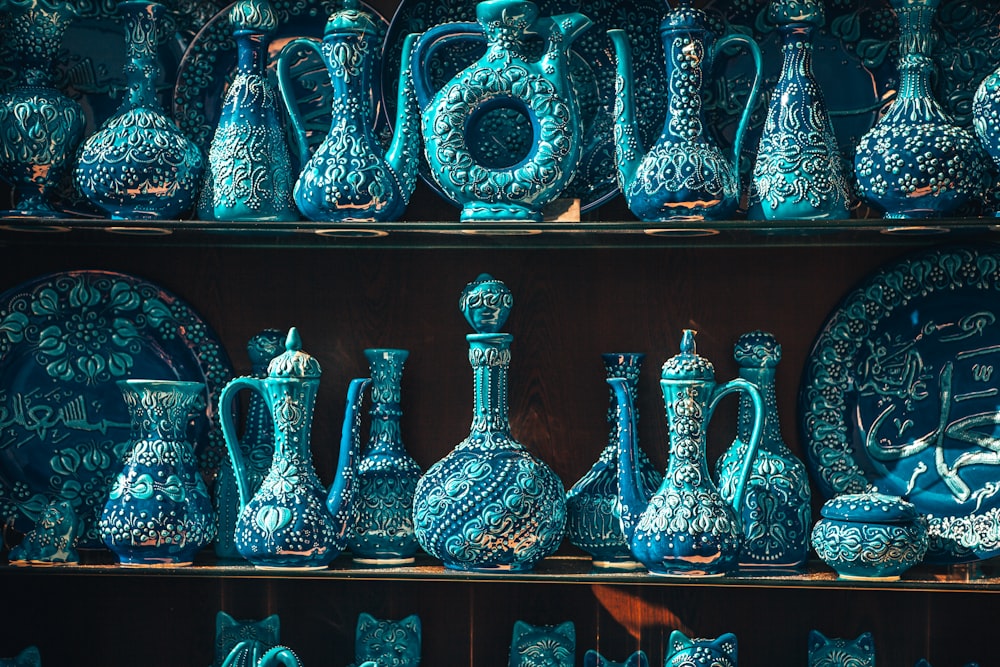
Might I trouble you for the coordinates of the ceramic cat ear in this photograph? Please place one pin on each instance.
(412, 622)
(366, 622)
(865, 642)
(816, 639)
(594, 659)
(567, 629)
(678, 641)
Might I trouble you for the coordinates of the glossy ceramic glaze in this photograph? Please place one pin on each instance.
(230, 631)
(869, 536)
(683, 651)
(594, 659)
(686, 528)
(507, 79)
(291, 522)
(383, 532)
(386, 642)
(53, 539)
(489, 504)
(39, 125)
(837, 652)
(592, 517)
(252, 653)
(550, 645)
(775, 516)
(158, 510)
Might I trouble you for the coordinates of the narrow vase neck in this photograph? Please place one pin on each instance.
(916, 42)
(489, 355)
(627, 367)
(763, 379)
(386, 368)
(687, 55)
(686, 414)
(292, 401)
(142, 68)
(797, 48)
(349, 60)
(251, 49)
(34, 35)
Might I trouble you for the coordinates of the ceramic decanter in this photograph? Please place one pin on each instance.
(256, 445)
(776, 513)
(684, 175)
(387, 475)
(489, 504)
(292, 522)
(799, 172)
(592, 518)
(139, 165)
(917, 162)
(686, 528)
(506, 79)
(350, 176)
(158, 510)
(39, 125)
(249, 175)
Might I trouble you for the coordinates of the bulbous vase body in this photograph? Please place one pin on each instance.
(917, 162)
(775, 516)
(593, 522)
(139, 164)
(39, 126)
(383, 532)
(249, 175)
(506, 79)
(158, 511)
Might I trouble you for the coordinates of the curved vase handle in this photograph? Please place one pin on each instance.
(285, 86)
(751, 102)
(428, 44)
(227, 399)
(739, 384)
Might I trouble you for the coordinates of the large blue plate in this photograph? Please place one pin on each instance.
(901, 392)
(65, 339)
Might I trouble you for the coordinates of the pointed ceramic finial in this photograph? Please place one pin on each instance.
(293, 362)
(687, 365)
(253, 16)
(486, 303)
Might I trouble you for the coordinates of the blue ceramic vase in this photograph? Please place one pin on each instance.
(349, 176)
(686, 528)
(489, 504)
(684, 651)
(917, 162)
(387, 475)
(291, 521)
(158, 511)
(256, 446)
(39, 125)
(139, 165)
(593, 522)
(684, 175)
(249, 175)
(775, 515)
(505, 80)
(799, 173)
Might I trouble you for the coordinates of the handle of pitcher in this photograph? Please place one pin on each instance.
(428, 44)
(751, 102)
(287, 96)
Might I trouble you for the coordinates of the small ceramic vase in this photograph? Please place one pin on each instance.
(506, 79)
(158, 511)
(799, 173)
(53, 539)
(683, 651)
(594, 659)
(776, 510)
(593, 522)
(139, 165)
(870, 536)
(489, 504)
(291, 521)
(684, 175)
(256, 444)
(824, 652)
(349, 176)
(39, 126)
(383, 531)
(249, 175)
(917, 162)
(252, 653)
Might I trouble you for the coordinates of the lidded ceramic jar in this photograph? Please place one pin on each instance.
(870, 536)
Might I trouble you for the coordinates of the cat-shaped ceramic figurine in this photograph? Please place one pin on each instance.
(594, 659)
(53, 539)
(686, 652)
(923, 663)
(826, 652)
(543, 645)
(29, 657)
(230, 631)
(388, 643)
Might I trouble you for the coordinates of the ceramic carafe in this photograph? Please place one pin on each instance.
(350, 176)
(509, 79)
(291, 522)
(686, 527)
(685, 174)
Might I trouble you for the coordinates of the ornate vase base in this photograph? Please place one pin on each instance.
(629, 565)
(849, 577)
(139, 562)
(385, 562)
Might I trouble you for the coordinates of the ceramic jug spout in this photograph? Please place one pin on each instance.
(628, 151)
(563, 31)
(340, 500)
(403, 154)
(632, 498)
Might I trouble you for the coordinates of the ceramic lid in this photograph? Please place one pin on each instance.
(293, 362)
(785, 12)
(486, 303)
(757, 349)
(253, 15)
(873, 507)
(688, 365)
(352, 19)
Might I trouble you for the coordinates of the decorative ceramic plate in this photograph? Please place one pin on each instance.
(901, 393)
(65, 339)
(592, 71)
(209, 65)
